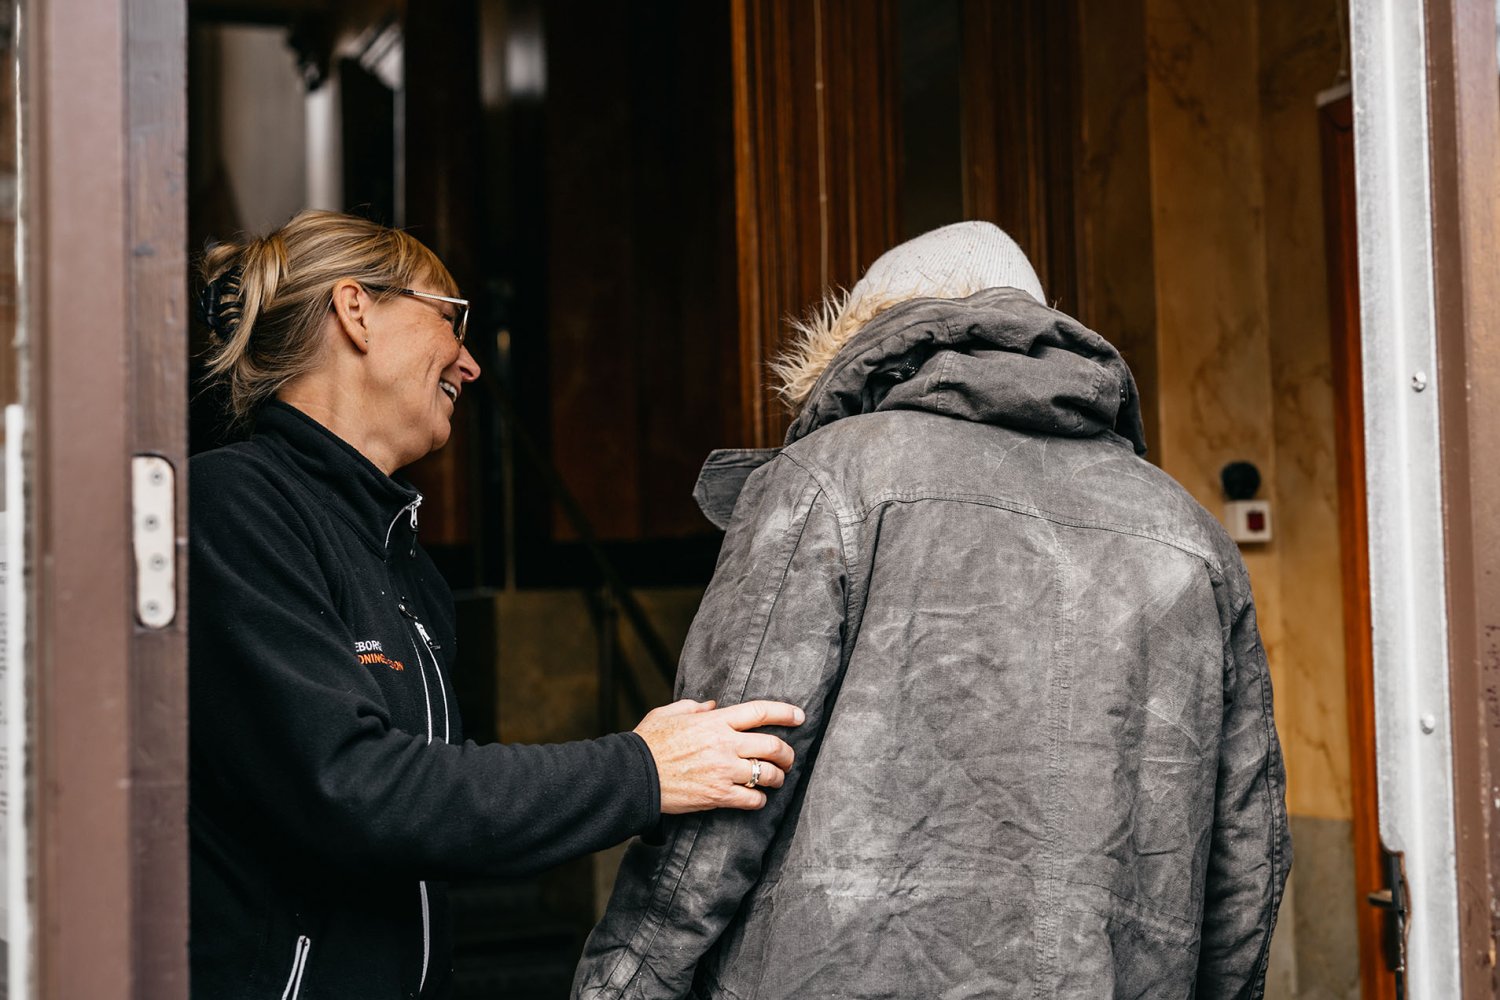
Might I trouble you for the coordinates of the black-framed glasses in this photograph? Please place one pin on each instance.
(460, 306)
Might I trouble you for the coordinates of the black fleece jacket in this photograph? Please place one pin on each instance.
(330, 778)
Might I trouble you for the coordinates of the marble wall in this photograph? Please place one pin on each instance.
(1213, 102)
(1242, 328)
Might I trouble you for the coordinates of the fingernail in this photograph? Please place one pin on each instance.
(800, 716)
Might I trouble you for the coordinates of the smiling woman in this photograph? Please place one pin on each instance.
(331, 783)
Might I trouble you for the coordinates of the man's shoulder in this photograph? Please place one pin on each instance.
(1098, 482)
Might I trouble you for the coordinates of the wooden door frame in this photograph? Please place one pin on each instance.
(1464, 117)
(104, 326)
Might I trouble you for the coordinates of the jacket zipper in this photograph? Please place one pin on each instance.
(422, 667)
(411, 509)
(432, 649)
(426, 640)
(299, 965)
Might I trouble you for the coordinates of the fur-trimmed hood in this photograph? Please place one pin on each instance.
(995, 357)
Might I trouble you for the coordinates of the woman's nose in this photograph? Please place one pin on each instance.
(468, 368)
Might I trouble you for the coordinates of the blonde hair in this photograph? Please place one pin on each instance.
(264, 298)
(817, 337)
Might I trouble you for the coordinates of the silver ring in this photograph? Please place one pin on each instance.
(754, 774)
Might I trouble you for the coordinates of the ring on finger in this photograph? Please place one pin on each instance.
(754, 773)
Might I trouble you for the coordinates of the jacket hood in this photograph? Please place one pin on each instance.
(996, 357)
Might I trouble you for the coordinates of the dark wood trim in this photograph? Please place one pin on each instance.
(1336, 121)
(816, 175)
(105, 289)
(1022, 144)
(442, 194)
(1464, 112)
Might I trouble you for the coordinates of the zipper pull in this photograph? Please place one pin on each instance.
(412, 552)
(425, 637)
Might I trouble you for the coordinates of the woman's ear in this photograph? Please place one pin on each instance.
(351, 310)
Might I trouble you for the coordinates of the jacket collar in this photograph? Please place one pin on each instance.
(381, 509)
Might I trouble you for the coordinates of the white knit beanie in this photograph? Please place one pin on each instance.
(952, 262)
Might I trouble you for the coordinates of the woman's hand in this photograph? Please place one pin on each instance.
(705, 759)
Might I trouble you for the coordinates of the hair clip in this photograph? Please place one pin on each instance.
(219, 302)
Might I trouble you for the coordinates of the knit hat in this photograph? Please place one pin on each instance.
(952, 262)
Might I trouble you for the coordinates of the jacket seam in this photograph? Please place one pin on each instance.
(1273, 904)
(655, 914)
(809, 497)
(984, 500)
(1047, 943)
(823, 487)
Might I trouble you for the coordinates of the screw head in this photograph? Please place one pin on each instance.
(152, 607)
(158, 562)
(1419, 381)
(1429, 724)
(151, 522)
(157, 477)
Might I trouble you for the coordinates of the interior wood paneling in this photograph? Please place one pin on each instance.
(815, 135)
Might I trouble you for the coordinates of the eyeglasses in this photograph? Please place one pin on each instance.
(460, 313)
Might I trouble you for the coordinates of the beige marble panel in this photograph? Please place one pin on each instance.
(1300, 55)
(1242, 329)
(1208, 212)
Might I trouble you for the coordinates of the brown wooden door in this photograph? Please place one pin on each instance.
(815, 168)
(820, 151)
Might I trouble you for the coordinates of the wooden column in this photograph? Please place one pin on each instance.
(815, 168)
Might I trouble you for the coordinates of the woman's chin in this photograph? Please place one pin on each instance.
(440, 434)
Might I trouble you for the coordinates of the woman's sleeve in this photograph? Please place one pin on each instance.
(771, 626)
(292, 738)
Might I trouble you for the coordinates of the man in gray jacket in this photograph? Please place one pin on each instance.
(1039, 757)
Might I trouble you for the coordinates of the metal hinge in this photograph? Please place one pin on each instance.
(154, 537)
(1392, 902)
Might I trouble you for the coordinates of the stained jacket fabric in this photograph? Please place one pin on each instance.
(330, 780)
(1039, 758)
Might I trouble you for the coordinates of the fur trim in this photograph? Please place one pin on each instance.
(818, 337)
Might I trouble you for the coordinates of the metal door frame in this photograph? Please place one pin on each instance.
(1427, 151)
(103, 119)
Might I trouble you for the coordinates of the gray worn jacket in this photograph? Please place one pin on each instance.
(1039, 757)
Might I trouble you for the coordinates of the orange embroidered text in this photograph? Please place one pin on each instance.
(368, 658)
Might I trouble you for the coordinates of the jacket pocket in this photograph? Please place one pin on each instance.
(299, 966)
